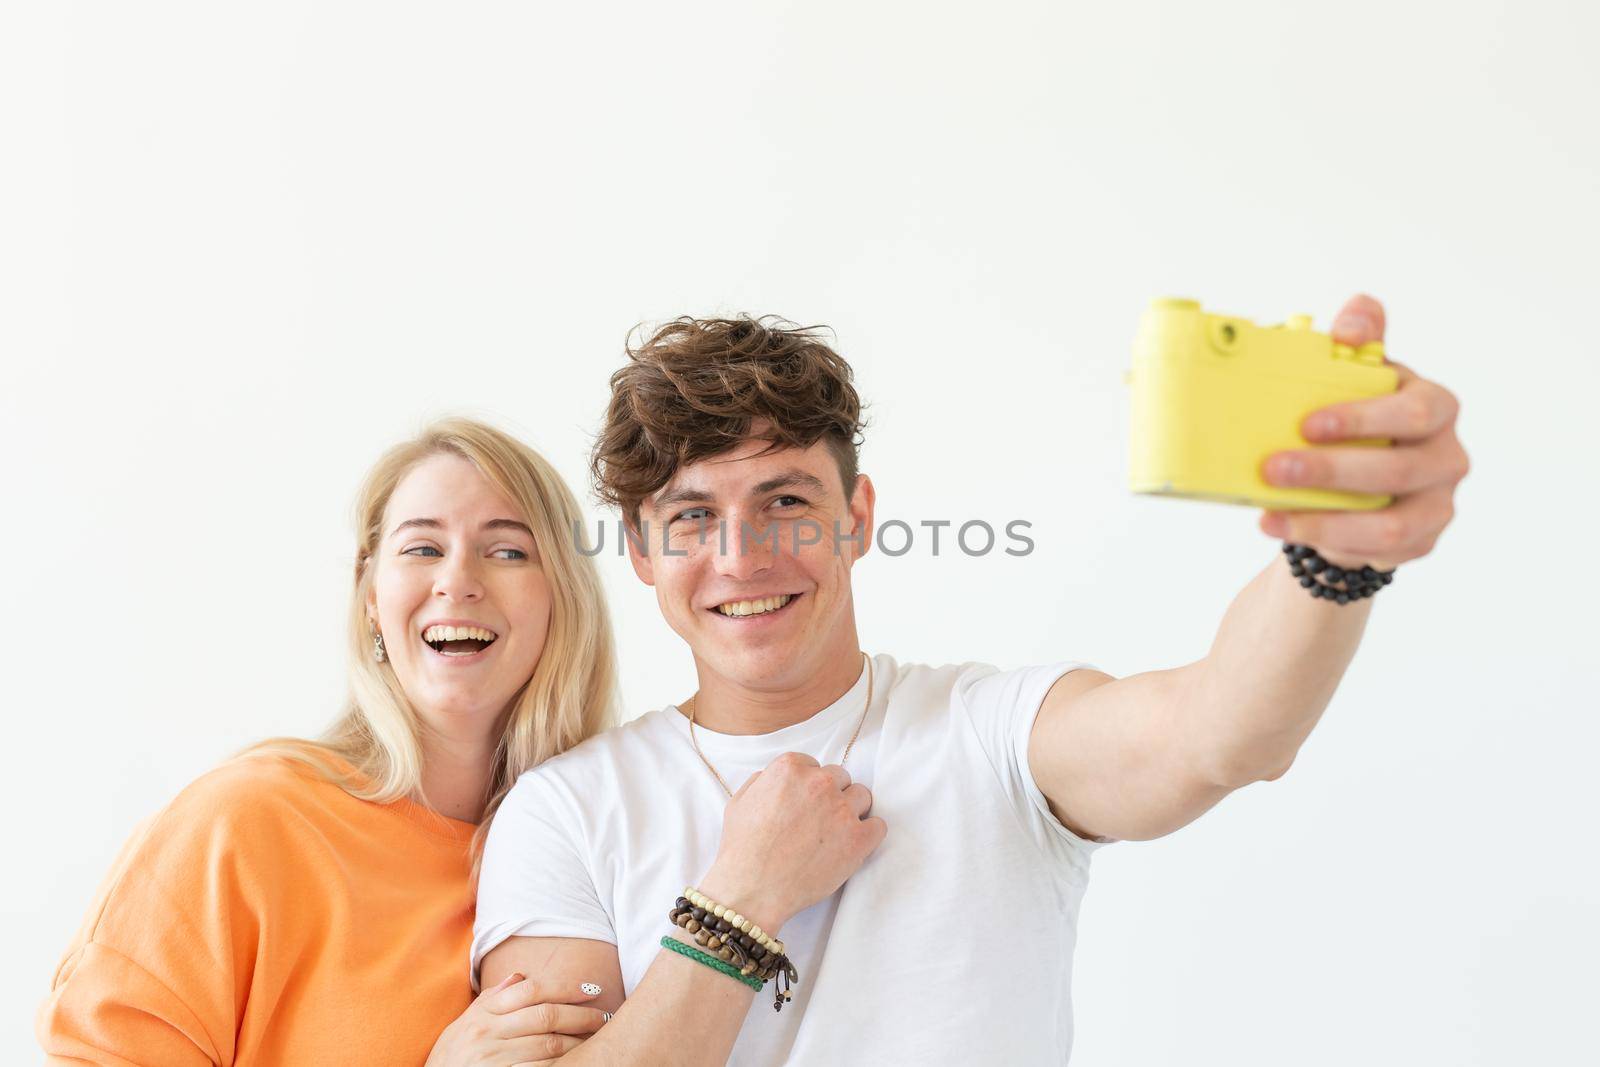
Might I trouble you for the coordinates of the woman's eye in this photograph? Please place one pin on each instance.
(418, 550)
(516, 553)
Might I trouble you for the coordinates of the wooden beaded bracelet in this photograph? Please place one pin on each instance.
(750, 952)
(718, 937)
(739, 922)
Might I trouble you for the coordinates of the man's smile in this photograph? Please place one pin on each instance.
(756, 606)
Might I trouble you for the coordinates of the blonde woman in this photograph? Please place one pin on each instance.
(310, 902)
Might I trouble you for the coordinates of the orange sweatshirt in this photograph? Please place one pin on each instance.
(267, 917)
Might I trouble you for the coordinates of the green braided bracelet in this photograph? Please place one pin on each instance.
(710, 961)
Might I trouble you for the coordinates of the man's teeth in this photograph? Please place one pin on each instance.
(754, 607)
(457, 633)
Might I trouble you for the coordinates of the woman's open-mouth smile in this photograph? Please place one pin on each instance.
(459, 644)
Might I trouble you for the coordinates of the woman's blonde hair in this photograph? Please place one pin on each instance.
(570, 695)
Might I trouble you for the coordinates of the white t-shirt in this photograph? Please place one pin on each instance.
(952, 944)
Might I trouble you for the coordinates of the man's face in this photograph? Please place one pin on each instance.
(750, 557)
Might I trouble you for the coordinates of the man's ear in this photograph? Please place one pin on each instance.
(639, 550)
(863, 503)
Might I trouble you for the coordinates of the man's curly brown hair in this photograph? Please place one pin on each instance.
(695, 388)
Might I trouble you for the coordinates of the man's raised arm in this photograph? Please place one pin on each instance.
(1139, 757)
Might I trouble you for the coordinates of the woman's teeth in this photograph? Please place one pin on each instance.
(458, 640)
(457, 633)
(754, 607)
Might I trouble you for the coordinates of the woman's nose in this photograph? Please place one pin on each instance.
(458, 580)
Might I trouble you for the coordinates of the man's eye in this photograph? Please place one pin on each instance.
(788, 502)
(692, 515)
(417, 550)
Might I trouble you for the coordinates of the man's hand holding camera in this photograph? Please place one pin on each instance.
(1420, 471)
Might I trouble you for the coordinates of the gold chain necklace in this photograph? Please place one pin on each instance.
(689, 704)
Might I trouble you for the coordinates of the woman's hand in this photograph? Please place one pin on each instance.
(518, 1022)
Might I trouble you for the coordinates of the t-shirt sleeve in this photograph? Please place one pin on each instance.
(534, 881)
(1002, 707)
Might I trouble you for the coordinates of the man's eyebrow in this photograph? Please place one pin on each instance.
(684, 494)
(435, 524)
(790, 479)
(793, 479)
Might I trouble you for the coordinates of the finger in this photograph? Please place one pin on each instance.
(491, 994)
(837, 775)
(870, 834)
(537, 1048)
(532, 991)
(1417, 410)
(1398, 470)
(551, 1018)
(1361, 321)
(509, 980)
(1404, 530)
(860, 799)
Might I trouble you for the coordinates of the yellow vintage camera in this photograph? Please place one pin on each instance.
(1214, 396)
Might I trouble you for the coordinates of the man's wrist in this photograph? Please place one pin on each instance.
(748, 901)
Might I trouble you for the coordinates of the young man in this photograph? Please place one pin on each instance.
(918, 837)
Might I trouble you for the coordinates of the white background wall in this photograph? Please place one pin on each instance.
(244, 248)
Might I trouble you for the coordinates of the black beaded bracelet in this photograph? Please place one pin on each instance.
(1323, 578)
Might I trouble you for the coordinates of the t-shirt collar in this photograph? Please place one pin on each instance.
(791, 738)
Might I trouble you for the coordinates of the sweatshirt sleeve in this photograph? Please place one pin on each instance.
(159, 970)
(107, 1010)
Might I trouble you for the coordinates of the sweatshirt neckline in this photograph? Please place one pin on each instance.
(413, 811)
(433, 822)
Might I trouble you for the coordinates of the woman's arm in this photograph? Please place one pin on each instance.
(107, 1010)
(150, 976)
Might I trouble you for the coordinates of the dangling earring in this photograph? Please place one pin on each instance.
(378, 652)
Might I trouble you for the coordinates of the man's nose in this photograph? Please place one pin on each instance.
(746, 549)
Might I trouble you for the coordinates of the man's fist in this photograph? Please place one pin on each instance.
(791, 835)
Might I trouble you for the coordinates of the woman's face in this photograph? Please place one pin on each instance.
(458, 594)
